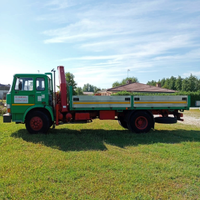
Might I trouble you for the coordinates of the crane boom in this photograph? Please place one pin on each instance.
(63, 88)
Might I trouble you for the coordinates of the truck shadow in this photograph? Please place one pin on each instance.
(73, 140)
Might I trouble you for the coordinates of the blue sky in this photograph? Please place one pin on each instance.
(98, 41)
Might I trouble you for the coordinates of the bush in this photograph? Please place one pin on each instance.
(3, 110)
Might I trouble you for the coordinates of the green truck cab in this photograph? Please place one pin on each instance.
(30, 93)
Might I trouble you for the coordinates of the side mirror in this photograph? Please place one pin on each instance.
(20, 85)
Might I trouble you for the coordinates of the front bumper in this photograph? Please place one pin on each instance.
(7, 118)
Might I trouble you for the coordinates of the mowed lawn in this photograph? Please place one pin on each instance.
(100, 160)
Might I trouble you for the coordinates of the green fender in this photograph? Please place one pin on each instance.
(48, 108)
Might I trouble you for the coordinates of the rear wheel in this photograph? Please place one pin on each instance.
(36, 122)
(140, 122)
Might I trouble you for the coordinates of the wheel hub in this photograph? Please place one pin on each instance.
(141, 122)
(36, 123)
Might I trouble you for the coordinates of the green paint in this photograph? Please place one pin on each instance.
(28, 92)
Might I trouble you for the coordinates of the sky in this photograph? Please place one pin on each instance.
(100, 42)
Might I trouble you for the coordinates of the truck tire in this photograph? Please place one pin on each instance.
(122, 123)
(36, 122)
(166, 120)
(140, 122)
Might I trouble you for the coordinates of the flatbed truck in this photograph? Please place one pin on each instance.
(32, 100)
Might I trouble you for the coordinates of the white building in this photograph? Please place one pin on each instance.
(4, 90)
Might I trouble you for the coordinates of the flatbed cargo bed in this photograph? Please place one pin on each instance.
(129, 102)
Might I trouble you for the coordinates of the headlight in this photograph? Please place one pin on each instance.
(8, 108)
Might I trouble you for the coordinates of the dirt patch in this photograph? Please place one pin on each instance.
(191, 117)
(190, 120)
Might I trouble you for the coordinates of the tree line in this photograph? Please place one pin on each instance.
(91, 88)
(189, 84)
(124, 81)
(78, 90)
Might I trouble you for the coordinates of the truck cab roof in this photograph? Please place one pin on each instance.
(32, 75)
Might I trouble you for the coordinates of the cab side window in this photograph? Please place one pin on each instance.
(40, 84)
(24, 84)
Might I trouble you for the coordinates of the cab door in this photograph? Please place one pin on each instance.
(22, 97)
(41, 94)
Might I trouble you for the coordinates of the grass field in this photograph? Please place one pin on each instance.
(100, 160)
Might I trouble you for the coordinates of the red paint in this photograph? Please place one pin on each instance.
(141, 122)
(107, 114)
(63, 88)
(68, 117)
(59, 115)
(82, 116)
(57, 112)
(36, 123)
(180, 114)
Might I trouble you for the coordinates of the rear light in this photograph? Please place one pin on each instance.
(8, 108)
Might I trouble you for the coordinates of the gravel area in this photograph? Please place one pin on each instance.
(191, 117)
(190, 120)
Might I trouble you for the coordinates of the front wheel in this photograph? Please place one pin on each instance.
(36, 122)
(140, 122)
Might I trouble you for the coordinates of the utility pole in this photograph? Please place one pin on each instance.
(128, 70)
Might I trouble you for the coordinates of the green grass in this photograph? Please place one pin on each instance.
(100, 160)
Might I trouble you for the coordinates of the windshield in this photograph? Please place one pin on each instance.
(24, 84)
